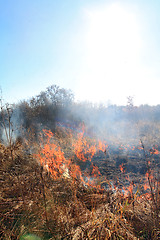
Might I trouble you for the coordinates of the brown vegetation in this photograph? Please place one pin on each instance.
(34, 201)
(70, 185)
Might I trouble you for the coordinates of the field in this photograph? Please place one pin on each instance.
(79, 171)
(74, 187)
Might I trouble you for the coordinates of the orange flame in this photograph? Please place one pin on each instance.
(155, 151)
(81, 148)
(122, 168)
(52, 157)
(101, 146)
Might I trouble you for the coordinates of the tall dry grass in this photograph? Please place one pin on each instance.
(32, 201)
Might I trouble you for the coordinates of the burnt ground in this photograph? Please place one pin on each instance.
(124, 166)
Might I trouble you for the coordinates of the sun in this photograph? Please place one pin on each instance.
(112, 53)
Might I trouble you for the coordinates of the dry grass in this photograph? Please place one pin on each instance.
(31, 201)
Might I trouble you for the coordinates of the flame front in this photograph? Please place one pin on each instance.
(79, 165)
(53, 158)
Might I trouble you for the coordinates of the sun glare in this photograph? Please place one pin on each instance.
(113, 46)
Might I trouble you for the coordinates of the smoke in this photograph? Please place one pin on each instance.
(10, 128)
(120, 128)
(115, 125)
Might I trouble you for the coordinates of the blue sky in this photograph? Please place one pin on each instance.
(102, 50)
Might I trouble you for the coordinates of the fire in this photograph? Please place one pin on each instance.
(122, 168)
(154, 151)
(146, 186)
(83, 149)
(102, 146)
(53, 158)
(95, 171)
